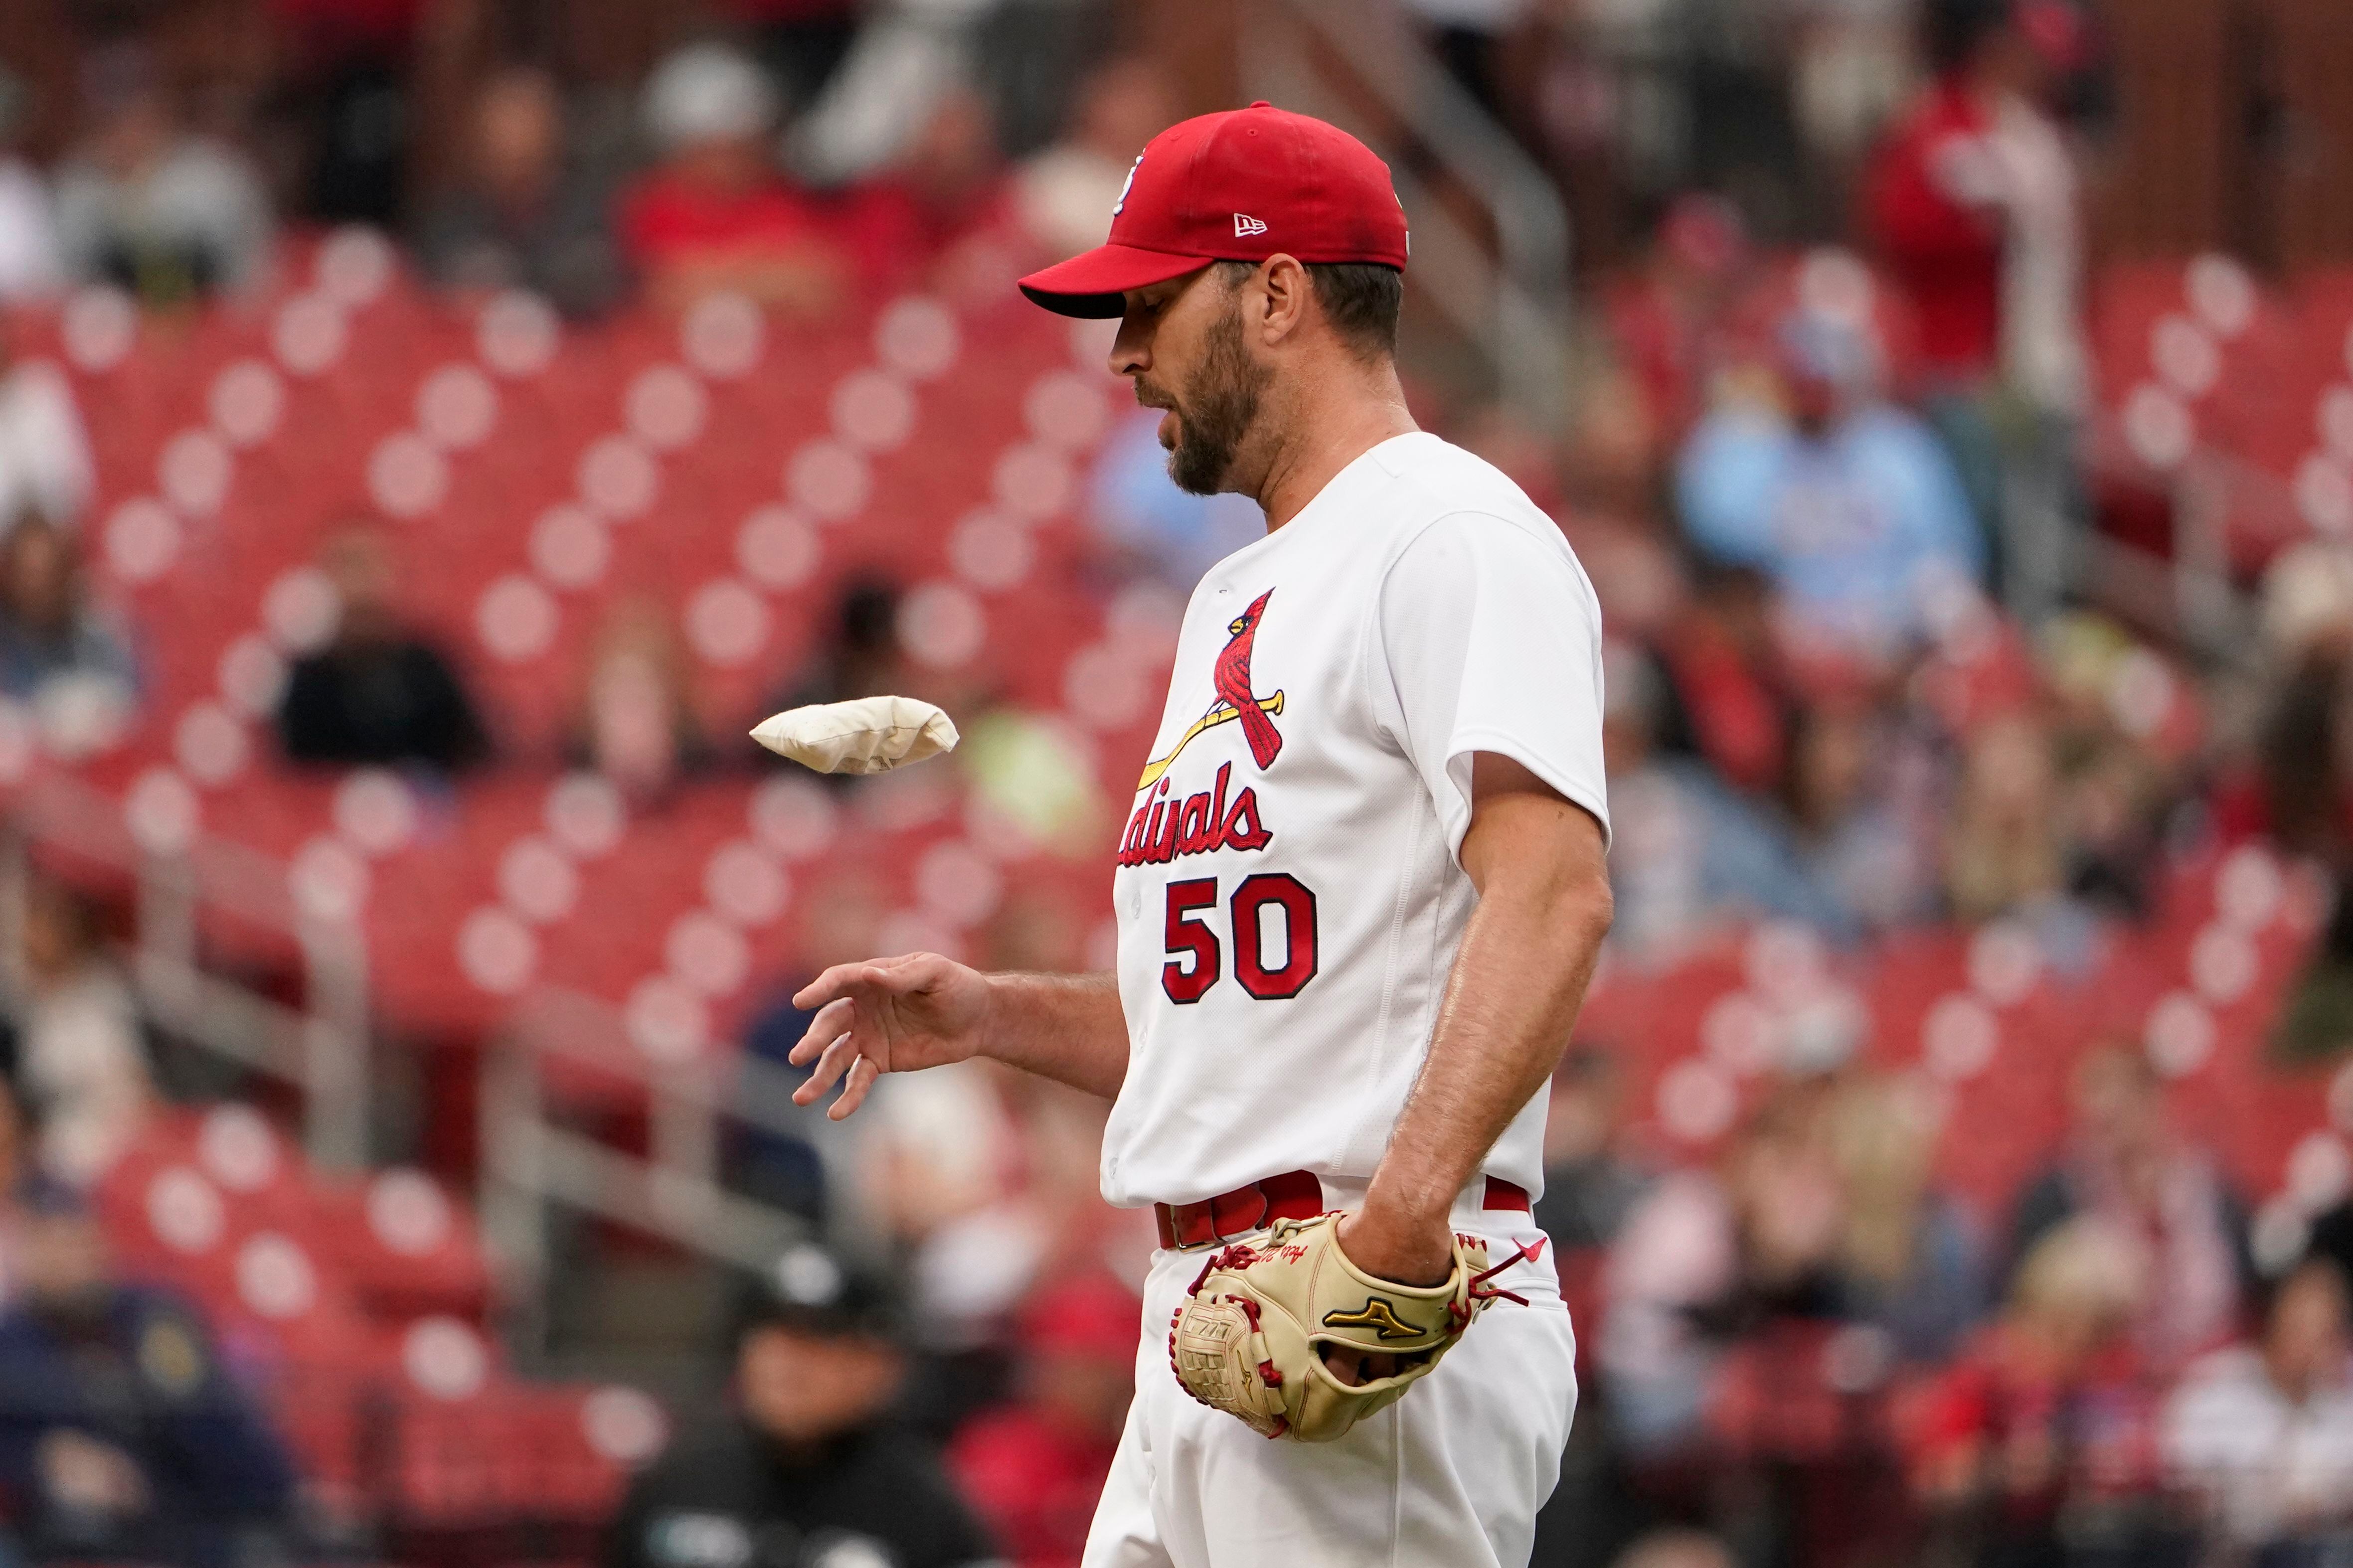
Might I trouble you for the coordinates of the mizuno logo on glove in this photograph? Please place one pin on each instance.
(1376, 1315)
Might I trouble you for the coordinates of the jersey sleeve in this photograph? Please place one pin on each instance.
(1489, 640)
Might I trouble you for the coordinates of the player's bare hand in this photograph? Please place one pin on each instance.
(893, 1014)
(1389, 1247)
(1397, 1248)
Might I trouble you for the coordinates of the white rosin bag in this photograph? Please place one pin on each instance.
(870, 735)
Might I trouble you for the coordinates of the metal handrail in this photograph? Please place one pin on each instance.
(531, 1160)
(1516, 308)
(322, 1048)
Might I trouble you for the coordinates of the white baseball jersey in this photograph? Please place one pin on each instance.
(1288, 896)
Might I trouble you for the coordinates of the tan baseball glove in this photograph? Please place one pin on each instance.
(1248, 1337)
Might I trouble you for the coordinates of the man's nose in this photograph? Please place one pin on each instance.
(1130, 350)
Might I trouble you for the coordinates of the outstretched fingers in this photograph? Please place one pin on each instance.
(835, 985)
(832, 1021)
(831, 1042)
(897, 976)
(840, 1053)
(862, 1074)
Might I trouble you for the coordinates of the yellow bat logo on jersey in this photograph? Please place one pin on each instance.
(1376, 1315)
(1221, 712)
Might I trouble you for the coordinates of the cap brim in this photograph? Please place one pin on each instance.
(1090, 284)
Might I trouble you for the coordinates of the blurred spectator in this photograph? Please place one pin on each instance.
(1151, 525)
(30, 267)
(58, 654)
(1668, 319)
(121, 1437)
(2002, 850)
(44, 460)
(942, 212)
(1688, 856)
(1852, 67)
(714, 213)
(2127, 1168)
(2046, 1424)
(1862, 796)
(940, 1167)
(83, 1062)
(864, 658)
(1845, 501)
(1067, 190)
(352, 98)
(524, 213)
(146, 205)
(1035, 1467)
(1750, 1304)
(1973, 204)
(1590, 1187)
(810, 1453)
(2304, 799)
(2297, 788)
(987, 1235)
(377, 693)
(2331, 1236)
(635, 722)
(800, 42)
(2263, 1434)
(1706, 1256)
(2124, 730)
(908, 55)
(1726, 698)
(1913, 1265)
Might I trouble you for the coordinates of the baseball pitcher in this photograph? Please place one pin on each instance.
(1360, 891)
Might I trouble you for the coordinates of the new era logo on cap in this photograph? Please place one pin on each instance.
(1244, 223)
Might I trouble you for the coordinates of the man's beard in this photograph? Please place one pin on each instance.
(1218, 410)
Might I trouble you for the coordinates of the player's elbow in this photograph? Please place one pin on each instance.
(1588, 907)
(1573, 908)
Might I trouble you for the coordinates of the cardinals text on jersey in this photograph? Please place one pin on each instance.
(1165, 827)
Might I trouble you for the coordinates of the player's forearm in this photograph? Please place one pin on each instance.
(1540, 866)
(1511, 1003)
(1068, 1027)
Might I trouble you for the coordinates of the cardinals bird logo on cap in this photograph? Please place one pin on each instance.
(1127, 186)
(1236, 701)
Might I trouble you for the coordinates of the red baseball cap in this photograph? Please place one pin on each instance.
(1241, 185)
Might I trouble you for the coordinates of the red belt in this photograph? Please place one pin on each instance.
(1295, 1195)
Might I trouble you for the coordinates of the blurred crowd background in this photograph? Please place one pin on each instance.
(433, 431)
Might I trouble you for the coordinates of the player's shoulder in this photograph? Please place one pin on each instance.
(1430, 482)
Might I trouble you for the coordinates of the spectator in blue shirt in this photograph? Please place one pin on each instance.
(1845, 501)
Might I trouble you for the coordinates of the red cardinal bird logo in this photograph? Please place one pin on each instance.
(1235, 700)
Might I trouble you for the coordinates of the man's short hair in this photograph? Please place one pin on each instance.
(1361, 298)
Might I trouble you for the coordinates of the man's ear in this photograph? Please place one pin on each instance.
(1285, 287)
